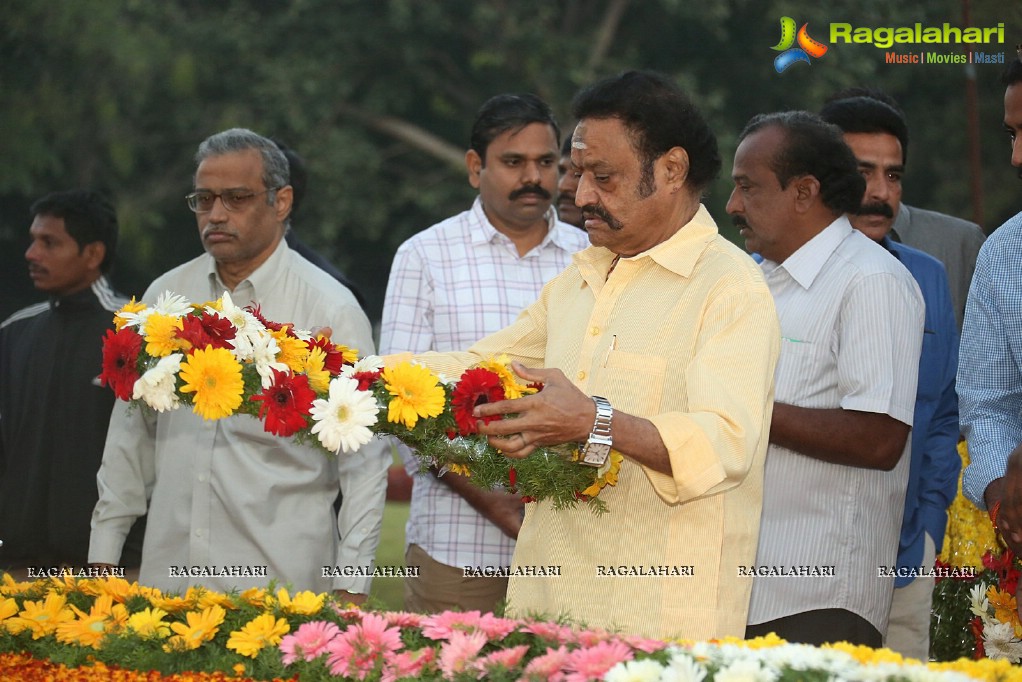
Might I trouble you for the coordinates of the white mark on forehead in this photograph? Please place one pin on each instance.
(577, 144)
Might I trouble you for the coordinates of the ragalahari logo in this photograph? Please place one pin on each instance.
(807, 47)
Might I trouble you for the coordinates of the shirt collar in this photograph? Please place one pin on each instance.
(484, 232)
(264, 279)
(679, 253)
(79, 299)
(806, 263)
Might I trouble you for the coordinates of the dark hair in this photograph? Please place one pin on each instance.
(566, 146)
(88, 217)
(502, 113)
(814, 147)
(867, 114)
(1013, 71)
(659, 117)
(299, 175)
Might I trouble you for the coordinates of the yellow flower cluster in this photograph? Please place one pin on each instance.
(969, 531)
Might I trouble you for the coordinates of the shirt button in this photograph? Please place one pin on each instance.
(202, 478)
(581, 374)
(198, 533)
(595, 331)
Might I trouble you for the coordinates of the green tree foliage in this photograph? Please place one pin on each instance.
(378, 96)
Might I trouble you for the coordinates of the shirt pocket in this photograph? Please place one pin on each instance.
(634, 383)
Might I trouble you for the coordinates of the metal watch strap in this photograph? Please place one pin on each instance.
(596, 450)
(604, 416)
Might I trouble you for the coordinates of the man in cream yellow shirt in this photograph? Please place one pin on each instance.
(662, 339)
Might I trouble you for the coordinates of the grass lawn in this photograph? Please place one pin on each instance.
(388, 593)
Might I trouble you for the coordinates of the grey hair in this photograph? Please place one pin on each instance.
(276, 171)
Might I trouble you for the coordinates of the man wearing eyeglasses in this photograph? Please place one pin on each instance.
(224, 496)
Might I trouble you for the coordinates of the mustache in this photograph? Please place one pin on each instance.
(739, 221)
(877, 208)
(530, 189)
(590, 210)
(211, 229)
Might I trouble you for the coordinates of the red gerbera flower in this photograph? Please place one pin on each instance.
(365, 379)
(120, 361)
(334, 358)
(207, 330)
(286, 404)
(476, 386)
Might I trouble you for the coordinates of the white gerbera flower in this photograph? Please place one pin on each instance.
(1000, 642)
(343, 421)
(370, 363)
(264, 355)
(248, 326)
(156, 386)
(684, 668)
(645, 670)
(172, 305)
(744, 670)
(980, 605)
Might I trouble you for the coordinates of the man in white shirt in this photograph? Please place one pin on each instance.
(231, 506)
(851, 324)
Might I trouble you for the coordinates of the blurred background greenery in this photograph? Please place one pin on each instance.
(378, 96)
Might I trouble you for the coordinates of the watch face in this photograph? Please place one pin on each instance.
(595, 454)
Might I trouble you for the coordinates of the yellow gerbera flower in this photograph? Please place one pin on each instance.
(1005, 606)
(41, 617)
(303, 603)
(215, 377)
(88, 629)
(349, 355)
(260, 632)
(201, 627)
(257, 596)
(118, 588)
(161, 334)
(460, 469)
(211, 597)
(174, 604)
(417, 393)
(292, 351)
(149, 624)
(131, 307)
(8, 607)
(319, 377)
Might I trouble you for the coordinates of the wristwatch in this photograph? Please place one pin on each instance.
(596, 449)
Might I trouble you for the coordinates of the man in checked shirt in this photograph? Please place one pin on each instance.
(452, 284)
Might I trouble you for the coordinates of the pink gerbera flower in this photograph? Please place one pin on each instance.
(408, 664)
(403, 619)
(308, 641)
(458, 653)
(502, 659)
(554, 632)
(593, 662)
(548, 666)
(361, 649)
(444, 625)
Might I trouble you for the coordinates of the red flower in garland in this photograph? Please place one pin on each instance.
(476, 386)
(120, 361)
(334, 358)
(275, 326)
(207, 330)
(365, 379)
(286, 404)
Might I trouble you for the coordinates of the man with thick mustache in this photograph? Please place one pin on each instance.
(878, 136)
(656, 349)
(852, 324)
(226, 493)
(453, 284)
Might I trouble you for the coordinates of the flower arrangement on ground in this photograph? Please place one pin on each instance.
(102, 625)
(975, 615)
(222, 360)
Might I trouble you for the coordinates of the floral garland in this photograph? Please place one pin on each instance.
(224, 360)
(975, 615)
(103, 628)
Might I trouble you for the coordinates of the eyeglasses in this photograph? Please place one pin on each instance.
(232, 199)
